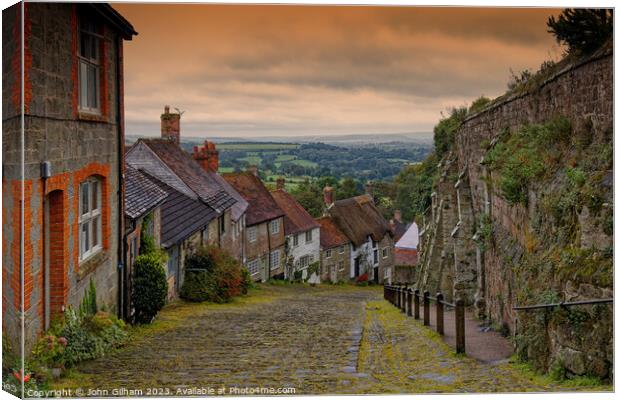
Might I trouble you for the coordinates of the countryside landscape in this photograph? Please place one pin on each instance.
(361, 209)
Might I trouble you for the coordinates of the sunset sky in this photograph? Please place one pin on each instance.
(300, 70)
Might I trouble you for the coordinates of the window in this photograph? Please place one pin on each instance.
(328, 253)
(90, 217)
(222, 220)
(384, 252)
(341, 249)
(386, 274)
(253, 267)
(374, 244)
(274, 259)
(354, 247)
(274, 226)
(295, 240)
(252, 234)
(304, 261)
(308, 236)
(89, 64)
(340, 265)
(375, 256)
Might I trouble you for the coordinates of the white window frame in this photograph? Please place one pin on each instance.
(252, 234)
(88, 217)
(341, 265)
(254, 265)
(88, 62)
(274, 259)
(386, 273)
(274, 226)
(385, 252)
(341, 249)
(296, 240)
(328, 253)
(308, 236)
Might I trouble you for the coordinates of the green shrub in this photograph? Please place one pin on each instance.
(89, 302)
(213, 275)
(149, 286)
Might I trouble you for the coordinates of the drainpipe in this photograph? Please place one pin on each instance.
(122, 271)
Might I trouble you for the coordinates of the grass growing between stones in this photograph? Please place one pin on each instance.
(400, 355)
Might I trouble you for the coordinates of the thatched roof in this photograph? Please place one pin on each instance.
(358, 218)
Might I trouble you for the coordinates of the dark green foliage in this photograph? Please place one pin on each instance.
(582, 30)
(89, 302)
(478, 105)
(414, 188)
(213, 275)
(445, 130)
(347, 188)
(310, 193)
(523, 157)
(149, 286)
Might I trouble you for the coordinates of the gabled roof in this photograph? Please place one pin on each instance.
(241, 206)
(358, 217)
(296, 218)
(410, 239)
(141, 193)
(172, 165)
(114, 18)
(398, 228)
(262, 206)
(181, 216)
(331, 235)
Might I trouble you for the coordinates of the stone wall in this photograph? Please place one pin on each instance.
(489, 275)
(76, 145)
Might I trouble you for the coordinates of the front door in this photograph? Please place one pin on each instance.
(332, 273)
(376, 277)
(357, 267)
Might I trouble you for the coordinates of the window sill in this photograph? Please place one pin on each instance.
(91, 263)
(92, 117)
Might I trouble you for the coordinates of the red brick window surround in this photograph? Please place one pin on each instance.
(90, 216)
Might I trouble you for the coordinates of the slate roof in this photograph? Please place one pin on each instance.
(241, 206)
(262, 206)
(172, 165)
(181, 216)
(405, 257)
(358, 217)
(296, 218)
(331, 236)
(141, 193)
(410, 239)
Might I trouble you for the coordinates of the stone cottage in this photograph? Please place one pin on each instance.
(302, 236)
(63, 218)
(335, 252)
(372, 242)
(264, 232)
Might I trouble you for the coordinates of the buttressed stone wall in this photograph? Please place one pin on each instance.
(496, 254)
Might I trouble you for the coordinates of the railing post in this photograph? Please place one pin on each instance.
(427, 310)
(403, 299)
(409, 297)
(439, 310)
(459, 314)
(397, 295)
(416, 304)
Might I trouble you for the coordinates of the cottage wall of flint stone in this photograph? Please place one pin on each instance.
(76, 145)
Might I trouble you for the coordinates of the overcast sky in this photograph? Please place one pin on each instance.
(298, 70)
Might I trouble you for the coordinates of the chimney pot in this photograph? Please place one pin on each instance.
(207, 156)
(398, 216)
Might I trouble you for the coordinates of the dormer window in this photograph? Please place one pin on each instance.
(89, 66)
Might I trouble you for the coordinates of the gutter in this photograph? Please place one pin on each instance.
(123, 297)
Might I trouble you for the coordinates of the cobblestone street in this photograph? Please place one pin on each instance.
(326, 339)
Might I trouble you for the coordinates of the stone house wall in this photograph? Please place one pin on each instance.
(330, 266)
(76, 145)
(303, 248)
(264, 244)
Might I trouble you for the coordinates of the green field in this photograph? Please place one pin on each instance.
(252, 160)
(284, 157)
(305, 163)
(257, 146)
(225, 170)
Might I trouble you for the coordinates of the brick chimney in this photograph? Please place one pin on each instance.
(280, 183)
(328, 195)
(171, 125)
(253, 169)
(398, 216)
(207, 156)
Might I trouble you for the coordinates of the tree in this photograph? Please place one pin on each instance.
(149, 288)
(582, 30)
(347, 188)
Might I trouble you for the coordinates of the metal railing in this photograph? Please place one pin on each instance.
(408, 301)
